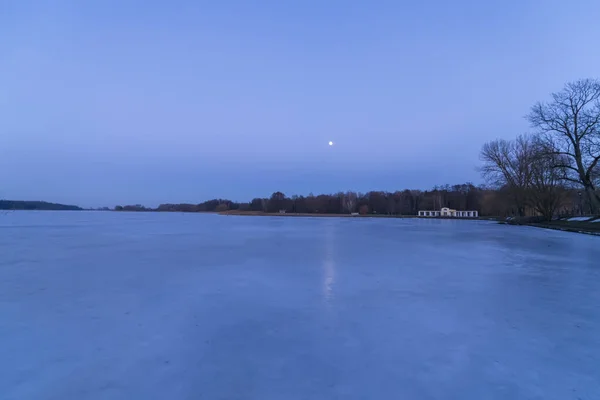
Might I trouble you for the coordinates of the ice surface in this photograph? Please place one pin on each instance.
(187, 306)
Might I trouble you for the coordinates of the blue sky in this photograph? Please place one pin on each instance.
(113, 102)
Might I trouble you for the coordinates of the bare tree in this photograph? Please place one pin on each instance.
(506, 164)
(349, 200)
(569, 125)
(546, 189)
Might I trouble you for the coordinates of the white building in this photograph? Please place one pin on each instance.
(447, 212)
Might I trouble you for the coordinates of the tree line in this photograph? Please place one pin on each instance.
(488, 201)
(552, 171)
(540, 171)
(35, 205)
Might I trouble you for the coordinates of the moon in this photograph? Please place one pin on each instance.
(330, 143)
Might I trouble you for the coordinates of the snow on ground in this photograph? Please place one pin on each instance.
(186, 306)
(579, 219)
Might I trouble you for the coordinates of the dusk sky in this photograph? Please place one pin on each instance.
(122, 102)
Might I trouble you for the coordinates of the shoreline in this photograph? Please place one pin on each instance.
(581, 227)
(328, 215)
(584, 227)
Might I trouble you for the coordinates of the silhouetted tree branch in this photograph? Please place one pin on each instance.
(570, 126)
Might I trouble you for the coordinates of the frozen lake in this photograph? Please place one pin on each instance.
(145, 306)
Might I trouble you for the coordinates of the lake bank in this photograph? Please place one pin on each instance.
(266, 214)
(588, 227)
(331, 215)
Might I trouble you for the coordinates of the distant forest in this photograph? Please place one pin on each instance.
(488, 201)
(35, 205)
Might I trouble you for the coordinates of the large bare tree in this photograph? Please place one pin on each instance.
(506, 164)
(569, 125)
(527, 171)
